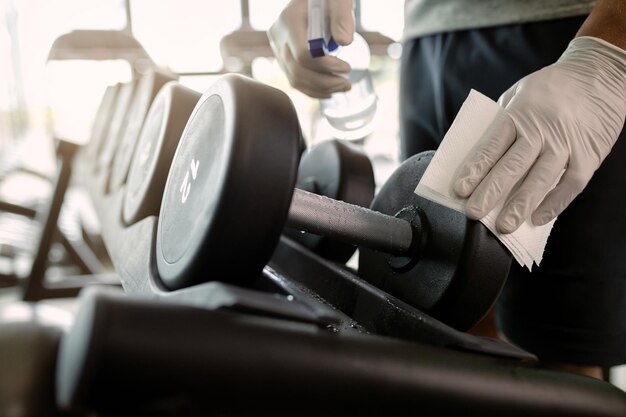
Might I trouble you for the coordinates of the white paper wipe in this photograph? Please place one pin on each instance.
(478, 111)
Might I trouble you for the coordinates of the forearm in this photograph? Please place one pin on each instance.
(607, 21)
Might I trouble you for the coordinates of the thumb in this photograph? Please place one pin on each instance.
(341, 19)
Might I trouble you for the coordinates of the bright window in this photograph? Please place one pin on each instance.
(184, 35)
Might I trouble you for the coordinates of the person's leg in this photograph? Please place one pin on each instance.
(421, 97)
(572, 309)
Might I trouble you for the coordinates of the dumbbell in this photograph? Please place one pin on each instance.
(133, 101)
(101, 122)
(155, 148)
(341, 171)
(147, 89)
(117, 125)
(230, 193)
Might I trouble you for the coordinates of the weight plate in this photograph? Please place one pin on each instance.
(102, 121)
(147, 89)
(229, 188)
(461, 269)
(340, 171)
(157, 143)
(117, 127)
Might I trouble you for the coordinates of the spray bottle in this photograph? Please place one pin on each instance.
(351, 113)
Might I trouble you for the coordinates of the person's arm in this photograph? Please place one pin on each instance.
(315, 77)
(607, 21)
(559, 124)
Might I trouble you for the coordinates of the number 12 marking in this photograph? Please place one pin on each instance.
(185, 188)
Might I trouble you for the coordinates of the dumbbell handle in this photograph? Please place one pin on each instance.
(360, 226)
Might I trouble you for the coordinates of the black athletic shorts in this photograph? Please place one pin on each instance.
(573, 307)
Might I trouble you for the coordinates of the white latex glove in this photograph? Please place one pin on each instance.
(315, 77)
(566, 116)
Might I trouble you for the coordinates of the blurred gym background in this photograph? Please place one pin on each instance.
(48, 90)
(41, 95)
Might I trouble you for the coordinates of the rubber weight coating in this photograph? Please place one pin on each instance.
(157, 144)
(460, 271)
(117, 127)
(229, 188)
(102, 121)
(148, 88)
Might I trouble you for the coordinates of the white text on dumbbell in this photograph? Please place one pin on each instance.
(185, 188)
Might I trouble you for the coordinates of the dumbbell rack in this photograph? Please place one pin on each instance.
(309, 337)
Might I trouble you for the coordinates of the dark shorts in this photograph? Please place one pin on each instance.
(573, 307)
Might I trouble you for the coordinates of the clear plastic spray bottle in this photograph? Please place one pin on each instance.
(351, 114)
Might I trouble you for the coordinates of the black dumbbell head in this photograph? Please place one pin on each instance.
(157, 144)
(229, 188)
(460, 271)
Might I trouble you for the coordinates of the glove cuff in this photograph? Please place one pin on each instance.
(595, 40)
(596, 46)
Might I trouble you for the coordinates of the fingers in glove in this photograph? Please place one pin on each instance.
(288, 39)
(495, 142)
(297, 43)
(572, 183)
(341, 21)
(313, 83)
(541, 177)
(297, 51)
(301, 55)
(497, 185)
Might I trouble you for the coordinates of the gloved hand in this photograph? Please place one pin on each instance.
(562, 119)
(315, 77)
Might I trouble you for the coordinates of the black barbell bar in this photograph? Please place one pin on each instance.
(349, 223)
